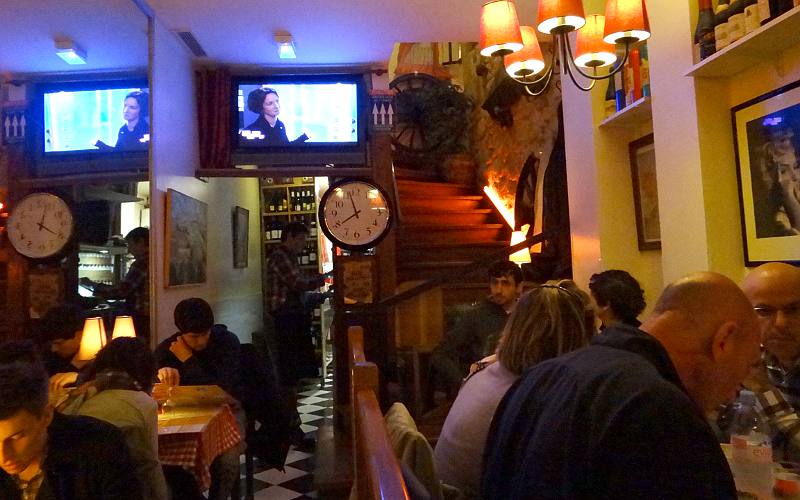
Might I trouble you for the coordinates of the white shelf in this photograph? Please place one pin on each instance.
(762, 44)
(639, 112)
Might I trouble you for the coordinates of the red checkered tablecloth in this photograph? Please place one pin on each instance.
(192, 437)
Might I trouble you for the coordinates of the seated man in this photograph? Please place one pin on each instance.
(60, 332)
(618, 298)
(625, 416)
(44, 454)
(475, 334)
(202, 353)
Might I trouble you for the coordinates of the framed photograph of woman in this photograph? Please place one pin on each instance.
(766, 133)
(241, 233)
(186, 239)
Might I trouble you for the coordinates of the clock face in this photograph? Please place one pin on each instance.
(40, 225)
(355, 214)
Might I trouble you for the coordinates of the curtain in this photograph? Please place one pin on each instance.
(214, 117)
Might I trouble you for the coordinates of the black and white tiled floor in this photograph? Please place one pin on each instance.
(315, 405)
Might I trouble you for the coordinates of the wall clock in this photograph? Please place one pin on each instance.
(355, 214)
(40, 225)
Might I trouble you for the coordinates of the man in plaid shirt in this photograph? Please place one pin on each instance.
(774, 291)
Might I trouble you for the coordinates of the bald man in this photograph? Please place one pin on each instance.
(774, 291)
(625, 416)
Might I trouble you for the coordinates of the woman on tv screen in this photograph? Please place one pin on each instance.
(135, 133)
(270, 130)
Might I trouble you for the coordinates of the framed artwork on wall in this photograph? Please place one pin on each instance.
(241, 236)
(186, 240)
(766, 135)
(645, 192)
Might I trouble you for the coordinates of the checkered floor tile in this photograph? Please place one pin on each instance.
(315, 406)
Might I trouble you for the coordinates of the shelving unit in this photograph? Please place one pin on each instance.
(638, 113)
(767, 42)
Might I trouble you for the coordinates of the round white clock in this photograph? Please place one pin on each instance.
(40, 225)
(354, 214)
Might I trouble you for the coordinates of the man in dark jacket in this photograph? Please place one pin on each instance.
(49, 456)
(625, 416)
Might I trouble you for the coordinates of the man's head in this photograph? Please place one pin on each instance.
(131, 356)
(62, 328)
(24, 416)
(710, 332)
(618, 296)
(505, 283)
(138, 241)
(194, 320)
(294, 236)
(774, 291)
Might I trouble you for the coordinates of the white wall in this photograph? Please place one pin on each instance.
(234, 294)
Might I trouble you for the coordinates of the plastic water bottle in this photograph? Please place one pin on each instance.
(751, 457)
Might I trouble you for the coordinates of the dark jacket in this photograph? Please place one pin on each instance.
(86, 459)
(273, 136)
(611, 420)
(217, 364)
(130, 140)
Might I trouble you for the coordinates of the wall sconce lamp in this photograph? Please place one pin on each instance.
(123, 327)
(67, 50)
(625, 22)
(93, 338)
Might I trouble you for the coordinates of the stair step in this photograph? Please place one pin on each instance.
(429, 270)
(451, 250)
(422, 188)
(435, 217)
(410, 204)
(416, 174)
(427, 233)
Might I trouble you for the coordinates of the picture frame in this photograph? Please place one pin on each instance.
(642, 156)
(241, 236)
(766, 138)
(186, 240)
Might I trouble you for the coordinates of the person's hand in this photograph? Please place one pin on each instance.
(181, 351)
(61, 380)
(169, 376)
(758, 380)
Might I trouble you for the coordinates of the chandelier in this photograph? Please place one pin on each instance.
(625, 23)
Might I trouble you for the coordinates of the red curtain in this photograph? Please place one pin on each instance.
(214, 117)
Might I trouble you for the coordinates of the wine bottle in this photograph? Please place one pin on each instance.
(751, 17)
(620, 90)
(644, 69)
(736, 21)
(272, 203)
(704, 32)
(611, 99)
(721, 25)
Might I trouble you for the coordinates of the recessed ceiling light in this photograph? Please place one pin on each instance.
(69, 52)
(285, 46)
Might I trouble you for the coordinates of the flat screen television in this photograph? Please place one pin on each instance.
(90, 126)
(299, 119)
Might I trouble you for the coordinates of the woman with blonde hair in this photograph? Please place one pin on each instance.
(548, 321)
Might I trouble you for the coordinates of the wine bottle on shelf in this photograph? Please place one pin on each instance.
(736, 28)
(312, 255)
(721, 25)
(644, 69)
(271, 206)
(304, 257)
(297, 202)
(619, 87)
(312, 230)
(704, 32)
(611, 99)
(751, 17)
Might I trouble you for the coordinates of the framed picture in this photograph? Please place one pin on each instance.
(241, 236)
(766, 133)
(645, 192)
(186, 239)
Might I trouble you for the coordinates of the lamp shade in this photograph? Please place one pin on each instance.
(560, 15)
(500, 33)
(123, 327)
(93, 338)
(626, 21)
(522, 256)
(527, 61)
(592, 51)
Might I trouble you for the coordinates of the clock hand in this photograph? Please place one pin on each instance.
(355, 211)
(354, 215)
(41, 222)
(42, 226)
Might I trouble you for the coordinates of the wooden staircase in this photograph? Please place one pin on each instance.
(445, 226)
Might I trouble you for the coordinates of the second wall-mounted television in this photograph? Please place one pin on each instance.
(89, 126)
(299, 119)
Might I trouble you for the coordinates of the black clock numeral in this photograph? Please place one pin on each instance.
(338, 223)
(375, 222)
(29, 244)
(339, 204)
(379, 211)
(369, 232)
(356, 235)
(334, 213)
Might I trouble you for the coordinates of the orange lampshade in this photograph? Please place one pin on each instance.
(527, 61)
(592, 51)
(93, 339)
(500, 33)
(123, 327)
(626, 21)
(560, 15)
(521, 256)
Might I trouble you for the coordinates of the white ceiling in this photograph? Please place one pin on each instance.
(112, 32)
(326, 32)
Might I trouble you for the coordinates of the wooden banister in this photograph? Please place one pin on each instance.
(377, 473)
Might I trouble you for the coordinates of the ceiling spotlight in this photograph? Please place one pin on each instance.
(285, 46)
(69, 52)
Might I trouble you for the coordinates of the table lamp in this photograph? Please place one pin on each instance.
(123, 327)
(93, 338)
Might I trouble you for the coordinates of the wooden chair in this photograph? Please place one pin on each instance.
(377, 473)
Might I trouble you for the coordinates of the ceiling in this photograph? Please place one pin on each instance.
(326, 32)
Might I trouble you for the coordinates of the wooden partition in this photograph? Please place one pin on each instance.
(377, 472)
